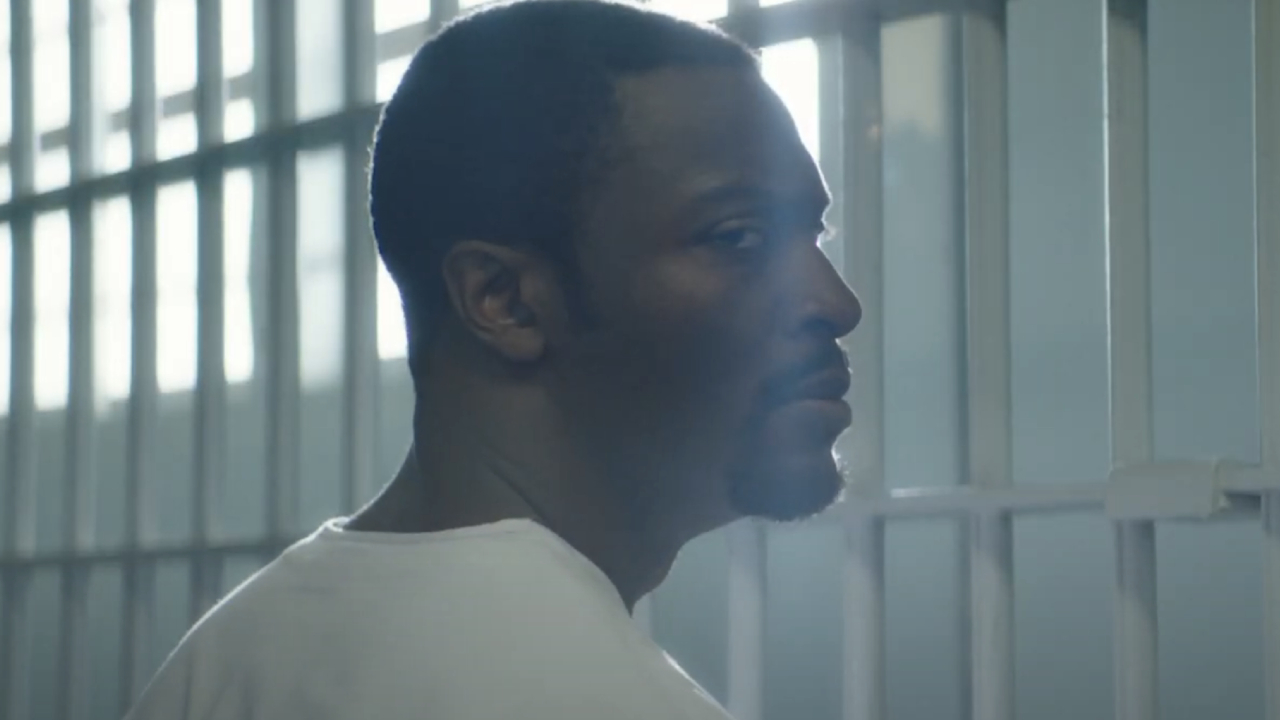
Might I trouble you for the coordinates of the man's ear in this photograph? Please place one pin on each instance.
(502, 297)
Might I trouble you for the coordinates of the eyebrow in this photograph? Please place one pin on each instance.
(758, 193)
(796, 205)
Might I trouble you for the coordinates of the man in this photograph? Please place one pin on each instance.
(604, 228)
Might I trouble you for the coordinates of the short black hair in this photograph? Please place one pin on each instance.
(497, 124)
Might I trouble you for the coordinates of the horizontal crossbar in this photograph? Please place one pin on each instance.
(1191, 490)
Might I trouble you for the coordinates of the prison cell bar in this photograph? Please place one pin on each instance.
(785, 22)
(275, 207)
(360, 366)
(766, 26)
(1129, 344)
(1266, 128)
(1271, 601)
(139, 573)
(77, 528)
(747, 560)
(859, 163)
(19, 493)
(210, 390)
(280, 507)
(987, 358)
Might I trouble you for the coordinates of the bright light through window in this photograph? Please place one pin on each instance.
(6, 130)
(791, 69)
(52, 64)
(52, 308)
(112, 77)
(693, 9)
(6, 292)
(177, 309)
(321, 233)
(6, 87)
(112, 54)
(319, 69)
(175, 73)
(389, 74)
(176, 313)
(112, 300)
(687, 9)
(52, 89)
(392, 14)
(238, 120)
(392, 342)
(237, 59)
(53, 168)
(175, 46)
(237, 37)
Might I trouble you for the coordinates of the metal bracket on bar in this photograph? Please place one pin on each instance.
(1186, 490)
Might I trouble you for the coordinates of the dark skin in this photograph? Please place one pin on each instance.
(696, 380)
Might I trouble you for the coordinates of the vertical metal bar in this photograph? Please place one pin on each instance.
(963, 570)
(1129, 341)
(864, 617)
(276, 104)
(747, 559)
(83, 146)
(139, 579)
(79, 497)
(15, 699)
(73, 658)
(1266, 127)
(360, 380)
(211, 375)
(992, 613)
(21, 471)
(22, 144)
(210, 85)
(78, 530)
(1271, 600)
(19, 485)
(19, 499)
(987, 390)
(142, 48)
(861, 145)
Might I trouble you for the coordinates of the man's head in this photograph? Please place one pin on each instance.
(602, 218)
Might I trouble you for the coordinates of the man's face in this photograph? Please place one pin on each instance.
(709, 376)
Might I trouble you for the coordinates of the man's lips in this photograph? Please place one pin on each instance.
(831, 384)
(823, 376)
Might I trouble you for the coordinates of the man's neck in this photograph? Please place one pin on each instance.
(418, 500)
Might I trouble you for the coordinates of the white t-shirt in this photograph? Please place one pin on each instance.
(497, 622)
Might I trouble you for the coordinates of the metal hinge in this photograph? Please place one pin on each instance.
(1187, 490)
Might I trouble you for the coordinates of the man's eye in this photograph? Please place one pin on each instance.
(740, 238)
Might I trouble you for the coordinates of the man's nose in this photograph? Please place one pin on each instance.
(830, 306)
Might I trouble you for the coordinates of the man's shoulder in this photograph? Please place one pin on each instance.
(325, 634)
(254, 639)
